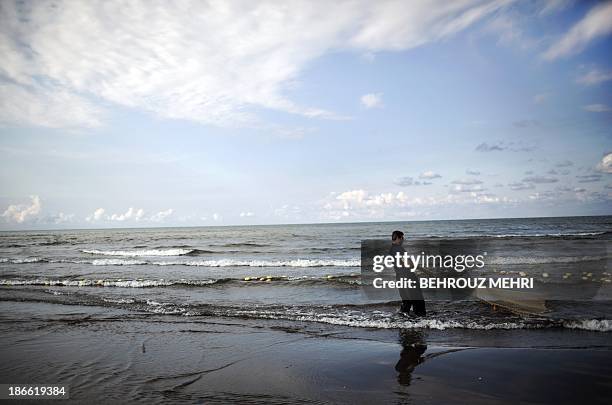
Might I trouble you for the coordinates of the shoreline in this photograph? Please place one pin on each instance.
(109, 354)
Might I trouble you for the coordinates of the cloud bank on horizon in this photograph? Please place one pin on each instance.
(192, 113)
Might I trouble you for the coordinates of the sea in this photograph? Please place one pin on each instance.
(304, 275)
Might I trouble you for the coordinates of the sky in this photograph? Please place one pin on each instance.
(156, 113)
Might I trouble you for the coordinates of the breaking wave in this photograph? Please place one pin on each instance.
(150, 283)
(598, 325)
(201, 263)
(543, 260)
(135, 253)
(23, 260)
(378, 316)
(265, 263)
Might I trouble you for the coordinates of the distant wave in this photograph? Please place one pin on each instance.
(551, 235)
(122, 283)
(265, 263)
(151, 283)
(23, 260)
(542, 260)
(201, 263)
(561, 235)
(160, 252)
(233, 263)
(55, 243)
(114, 262)
(239, 244)
(136, 258)
(135, 253)
(119, 300)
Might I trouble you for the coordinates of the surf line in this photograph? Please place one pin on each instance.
(459, 282)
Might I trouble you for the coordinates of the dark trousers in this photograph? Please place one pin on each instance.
(418, 306)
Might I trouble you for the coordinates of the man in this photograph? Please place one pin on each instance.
(411, 297)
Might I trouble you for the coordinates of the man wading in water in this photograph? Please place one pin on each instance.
(411, 297)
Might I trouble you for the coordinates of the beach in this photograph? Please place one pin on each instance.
(161, 359)
(306, 202)
(277, 314)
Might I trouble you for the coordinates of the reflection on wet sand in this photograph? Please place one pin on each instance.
(413, 348)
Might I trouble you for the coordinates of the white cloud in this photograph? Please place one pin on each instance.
(606, 163)
(506, 28)
(596, 23)
(216, 217)
(565, 163)
(356, 199)
(593, 77)
(429, 175)
(409, 181)
(363, 204)
(511, 30)
(208, 62)
(19, 213)
(372, 100)
(63, 218)
(161, 215)
(544, 196)
(521, 186)
(467, 182)
(502, 146)
(289, 212)
(487, 198)
(597, 108)
(52, 108)
(540, 179)
(130, 214)
(247, 214)
(472, 172)
(467, 188)
(551, 6)
(589, 178)
(352, 197)
(96, 216)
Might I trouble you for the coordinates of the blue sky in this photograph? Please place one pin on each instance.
(162, 114)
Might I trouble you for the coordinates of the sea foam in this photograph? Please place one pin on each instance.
(134, 253)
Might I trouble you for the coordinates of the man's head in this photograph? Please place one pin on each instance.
(397, 237)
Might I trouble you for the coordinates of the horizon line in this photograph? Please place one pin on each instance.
(297, 223)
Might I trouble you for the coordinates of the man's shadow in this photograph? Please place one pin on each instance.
(413, 348)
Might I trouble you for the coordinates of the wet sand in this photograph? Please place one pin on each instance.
(110, 355)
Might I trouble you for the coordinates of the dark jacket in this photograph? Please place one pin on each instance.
(402, 272)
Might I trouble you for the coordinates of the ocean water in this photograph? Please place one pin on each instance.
(305, 274)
